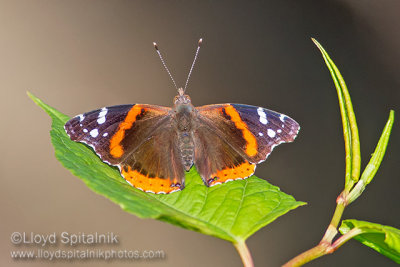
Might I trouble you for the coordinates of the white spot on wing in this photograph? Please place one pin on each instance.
(282, 118)
(105, 134)
(94, 133)
(85, 130)
(279, 130)
(271, 133)
(263, 116)
(101, 120)
(102, 116)
(103, 112)
(260, 134)
(81, 117)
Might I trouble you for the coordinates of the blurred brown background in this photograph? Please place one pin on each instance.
(82, 55)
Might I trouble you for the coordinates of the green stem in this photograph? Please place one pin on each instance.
(331, 231)
(325, 245)
(322, 249)
(307, 256)
(244, 253)
(344, 238)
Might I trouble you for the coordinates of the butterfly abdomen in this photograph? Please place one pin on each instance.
(186, 147)
(184, 121)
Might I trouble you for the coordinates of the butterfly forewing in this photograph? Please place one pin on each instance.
(251, 131)
(95, 128)
(269, 128)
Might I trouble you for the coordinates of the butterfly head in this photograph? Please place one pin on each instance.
(181, 98)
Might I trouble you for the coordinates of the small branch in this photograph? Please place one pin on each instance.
(331, 231)
(322, 249)
(307, 256)
(244, 253)
(325, 245)
(344, 238)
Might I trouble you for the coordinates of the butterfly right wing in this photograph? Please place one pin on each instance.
(139, 139)
(232, 138)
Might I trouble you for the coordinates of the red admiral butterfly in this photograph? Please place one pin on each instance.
(154, 146)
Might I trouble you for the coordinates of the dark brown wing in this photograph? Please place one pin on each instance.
(216, 160)
(155, 165)
(241, 136)
(138, 139)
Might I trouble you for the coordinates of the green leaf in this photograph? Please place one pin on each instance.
(350, 130)
(232, 211)
(382, 238)
(375, 161)
(379, 152)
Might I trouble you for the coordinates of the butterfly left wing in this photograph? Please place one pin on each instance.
(139, 139)
(237, 137)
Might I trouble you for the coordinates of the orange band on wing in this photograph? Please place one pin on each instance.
(116, 149)
(251, 142)
(155, 185)
(241, 171)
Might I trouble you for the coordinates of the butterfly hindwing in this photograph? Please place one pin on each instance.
(216, 160)
(125, 136)
(155, 165)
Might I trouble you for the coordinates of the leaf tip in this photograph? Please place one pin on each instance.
(391, 114)
(34, 98)
(302, 203)
(30, 95)
(315, 42)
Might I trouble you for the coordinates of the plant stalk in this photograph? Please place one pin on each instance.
(244, 253)
(307, 256)
(322, 249)
(344, 238)
(325, 245)
(331, 231)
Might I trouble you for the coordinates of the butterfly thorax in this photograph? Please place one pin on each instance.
(184, 113)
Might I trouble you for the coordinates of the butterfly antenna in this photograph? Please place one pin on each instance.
(194, 61)
(165, 65)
